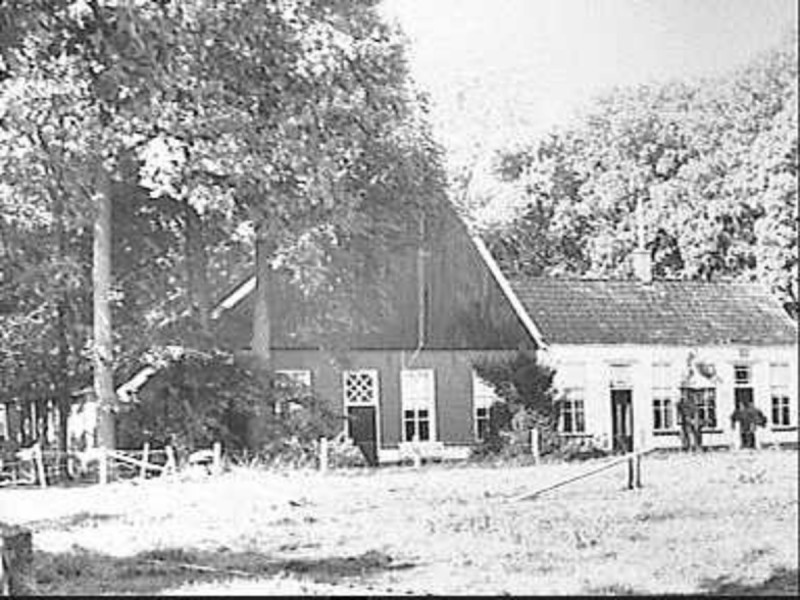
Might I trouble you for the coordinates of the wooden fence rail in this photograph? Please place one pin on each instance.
(633, 460)
(46, 466)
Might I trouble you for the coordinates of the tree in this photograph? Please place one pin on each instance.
(706, 171)
(295, 119)
(526, 388)
(319, 111)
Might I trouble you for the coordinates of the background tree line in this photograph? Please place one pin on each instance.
(713, 165)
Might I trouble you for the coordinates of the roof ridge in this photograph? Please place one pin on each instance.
(576, 279)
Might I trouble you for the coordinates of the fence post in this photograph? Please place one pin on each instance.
(171, 465)
(416, 451)
(145, 459)
(16, 560)
(216, 464)
(638, 471)
(38, 463)
(630, 472)
(535, 452)
(323, 455)
(103, 465)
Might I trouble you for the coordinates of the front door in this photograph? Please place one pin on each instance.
(361, 401)
(363, 432)
(744, 400)
(622, 420)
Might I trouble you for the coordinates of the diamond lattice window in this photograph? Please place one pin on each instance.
(360, 387)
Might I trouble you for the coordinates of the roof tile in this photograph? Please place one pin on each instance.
(585, 311)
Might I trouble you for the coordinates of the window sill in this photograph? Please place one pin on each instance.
(574, 435)
(677, 432)
(779, 428)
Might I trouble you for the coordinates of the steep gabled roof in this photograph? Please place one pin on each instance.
(579, 311)
(450, 297)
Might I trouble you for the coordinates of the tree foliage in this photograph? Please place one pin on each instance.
(215, 128)
(712, 165)
(199, 398)
(528, 398)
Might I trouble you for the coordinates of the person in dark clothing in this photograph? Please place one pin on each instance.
(691, 436)
(749, 419)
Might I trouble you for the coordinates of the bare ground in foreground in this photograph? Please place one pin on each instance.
(719, 523)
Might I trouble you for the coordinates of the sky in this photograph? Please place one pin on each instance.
(504, 69)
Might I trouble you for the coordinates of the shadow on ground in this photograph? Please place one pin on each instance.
(782, 582)
(82, 572)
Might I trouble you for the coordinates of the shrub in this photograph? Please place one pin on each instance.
(197, 398)
(526, 388)
(583, 448)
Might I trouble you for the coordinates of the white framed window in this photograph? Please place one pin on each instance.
(707, 408)
(742, 375)
(781, 414)
(360, 387)
(418, 399)
(572, 414)
(571, 379)
(483, 396)
(663, 397)
(300, 377)
(663, 414)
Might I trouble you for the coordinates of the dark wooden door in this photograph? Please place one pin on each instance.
(622, 420)
(744, 399)
(363, 431)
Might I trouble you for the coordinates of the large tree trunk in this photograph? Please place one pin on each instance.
(63, 397)
(262, 333)
(103, 344)
(196, 260)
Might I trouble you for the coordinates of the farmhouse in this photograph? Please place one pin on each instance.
(407, 377)
(399, 366)
(625, 350)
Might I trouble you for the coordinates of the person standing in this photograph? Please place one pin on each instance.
(749, 418)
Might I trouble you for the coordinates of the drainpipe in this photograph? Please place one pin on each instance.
(421, 321)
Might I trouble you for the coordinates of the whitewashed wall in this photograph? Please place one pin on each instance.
(598, 359)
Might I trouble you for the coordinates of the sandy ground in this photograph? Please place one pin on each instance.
(700, 522)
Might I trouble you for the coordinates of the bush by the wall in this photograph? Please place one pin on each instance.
(198, 398)
(526, 388)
